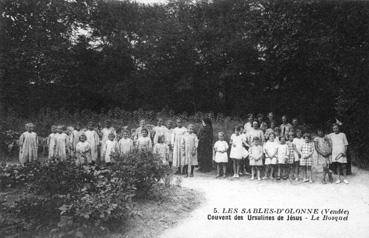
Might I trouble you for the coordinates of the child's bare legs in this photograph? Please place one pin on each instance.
(218, 169)
(258, 172)
(286, 171)
(242, 167)
(304, 173)
(252, 172)
(279, 170)
(283, 171)
(266, 170)
(338, 170)
(192, 169)
(290, 171)
(236, 168)
(247, 165)
(341, 166)
(185, 170)
(224, 165)
(297, 170)
(272, 166)
(309, 172)
(330, 173)
(325, 172)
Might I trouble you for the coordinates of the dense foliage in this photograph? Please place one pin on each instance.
(307, 58)
(62, 199)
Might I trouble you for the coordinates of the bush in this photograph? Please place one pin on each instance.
(66, 200)
(62, 178)
(143, 169)
(16, 176)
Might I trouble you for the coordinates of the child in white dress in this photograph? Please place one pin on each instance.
(256, 158)
(159, 130)
(339, 148)
(161, 149)
(110, 149)
(189, 151)
(77, 132)
(51, 142)
(144, 143)
(138, 131)
(298, 141)
(220, 155)
(125, 145)
(105, 132)
(61, 144)
(28, 145)
(83, 151)
(282, 156)
(236, 150)
(176, 141)
(270, 151)
(94, 141)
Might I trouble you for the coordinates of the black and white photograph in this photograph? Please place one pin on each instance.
(184, 118)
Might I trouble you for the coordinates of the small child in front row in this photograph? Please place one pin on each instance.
(256, 158)
(291, 157)
(220, 155)
(270, 151)
(143, 142)
(110, 148)
(51, 142)
(189, 146)
(83, 151)
(306, 160)
(236, 150)
(61, 144)
(125, 144)
(282, 156)
(298, 141)
(161, 150)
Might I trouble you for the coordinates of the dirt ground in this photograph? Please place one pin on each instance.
(158, 213)
(245, 193)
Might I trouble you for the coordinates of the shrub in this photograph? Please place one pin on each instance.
(62, 178)
(15, 176)
(66, 200)
(143, 169)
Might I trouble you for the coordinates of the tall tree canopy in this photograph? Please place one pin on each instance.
(307, 58)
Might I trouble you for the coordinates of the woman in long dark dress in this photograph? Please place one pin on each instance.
(205, 148)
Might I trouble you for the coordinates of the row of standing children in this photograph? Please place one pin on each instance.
(281, 152)
(174, 146)
(276, 149)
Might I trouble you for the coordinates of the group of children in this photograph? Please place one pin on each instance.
(177, 146)
(277, 152)
(282, 152)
